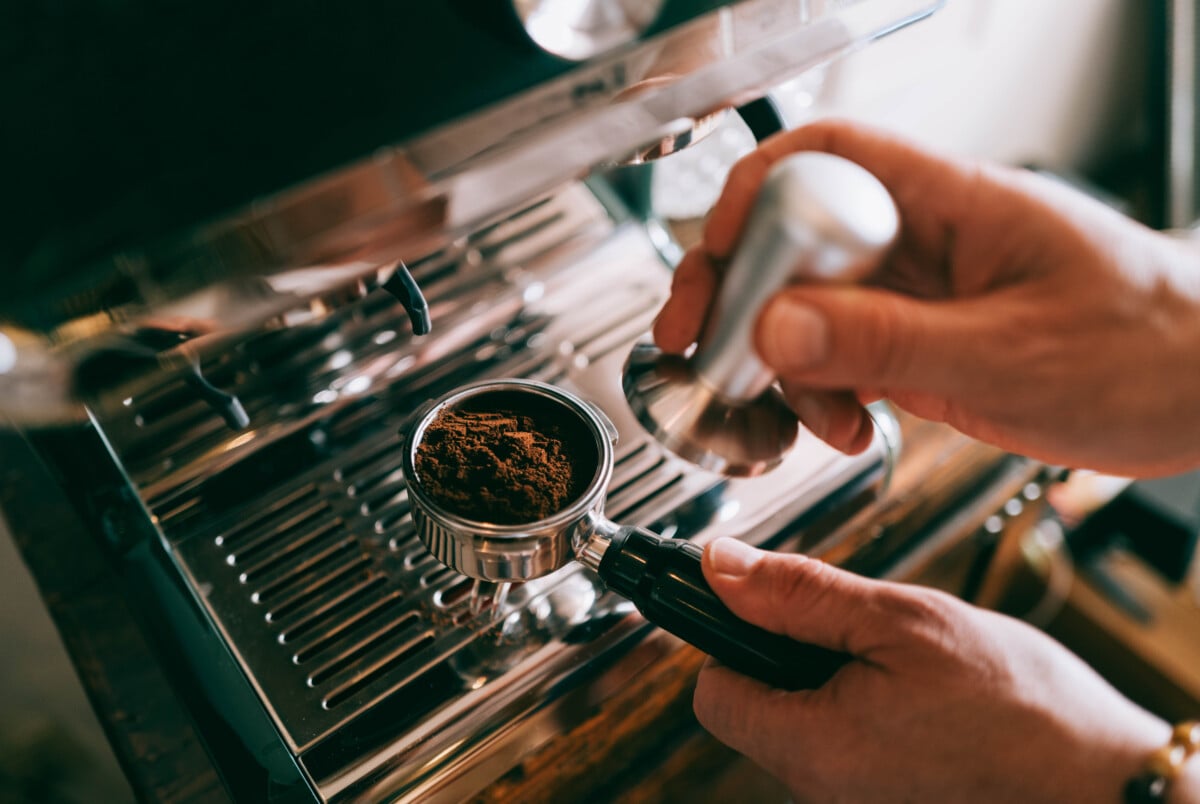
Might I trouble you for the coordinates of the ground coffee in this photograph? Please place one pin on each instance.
(495, 466)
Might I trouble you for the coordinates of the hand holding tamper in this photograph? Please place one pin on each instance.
(817, 218)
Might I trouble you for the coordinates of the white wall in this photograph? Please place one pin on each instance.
(47, 726)
(1046, 81)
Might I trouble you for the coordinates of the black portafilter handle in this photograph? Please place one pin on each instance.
(663, 578)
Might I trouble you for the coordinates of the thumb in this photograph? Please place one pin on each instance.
(800, 597)
(859, 337)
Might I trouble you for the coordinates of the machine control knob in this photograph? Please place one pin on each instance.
(581, 29)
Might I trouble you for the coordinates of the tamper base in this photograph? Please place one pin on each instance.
(689, 418)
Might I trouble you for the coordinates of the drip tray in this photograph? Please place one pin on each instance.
(374, 661)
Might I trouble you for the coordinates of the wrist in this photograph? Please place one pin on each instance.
(1103, 757)
(1170, 352)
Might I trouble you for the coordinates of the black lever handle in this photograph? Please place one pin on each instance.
(632, 182)
(662, 577)
(406, 290)
(140, 351)
(763, 117)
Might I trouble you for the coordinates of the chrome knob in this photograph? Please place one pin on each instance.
(817, 218)
(581, 29)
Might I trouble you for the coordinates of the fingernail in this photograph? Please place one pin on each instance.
(732, 557)
(792, 336)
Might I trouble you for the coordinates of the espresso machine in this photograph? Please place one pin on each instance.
(223, 310)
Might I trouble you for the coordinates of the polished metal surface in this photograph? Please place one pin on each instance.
(323, 241)
(297, 538)
(683, 413)
(817, 218)
(581, 29)
(1182, 196)
(519, 553)
(682, 133)
(505, 553)
(487, 295)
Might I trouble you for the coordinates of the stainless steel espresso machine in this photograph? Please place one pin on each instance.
(286, 231)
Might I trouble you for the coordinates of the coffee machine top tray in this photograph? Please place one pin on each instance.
(143, 249)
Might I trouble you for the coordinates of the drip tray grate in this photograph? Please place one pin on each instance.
(296, 533)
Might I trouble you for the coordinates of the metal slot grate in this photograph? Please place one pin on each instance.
(285, 538)
(352, 652)
(346, 555)
(286, 374)
(330, 605)
(297, 533)
(377, 667)
(334, 603)
(352, 635)
(351, 571)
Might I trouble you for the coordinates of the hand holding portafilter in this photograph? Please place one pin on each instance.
(662, 577)
(817, 218)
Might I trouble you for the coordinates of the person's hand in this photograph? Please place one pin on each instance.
(1014, 309)
(942, 702)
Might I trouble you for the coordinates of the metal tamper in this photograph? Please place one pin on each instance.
(817, 218)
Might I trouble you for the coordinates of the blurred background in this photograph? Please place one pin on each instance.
(52, 748)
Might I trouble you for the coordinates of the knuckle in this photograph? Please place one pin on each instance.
(692, 269)
(836, 135)
(848, 423)
(719, 706)
(704, 702)
(741, 185)
(863, 435)
(926, 614)
(807, 581)
(887, 346)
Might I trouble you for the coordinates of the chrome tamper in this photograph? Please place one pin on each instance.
(817, 218)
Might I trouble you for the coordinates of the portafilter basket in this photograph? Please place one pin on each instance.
(662, 577)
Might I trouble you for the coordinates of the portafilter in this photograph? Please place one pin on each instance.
(817, 218)
(661, 576)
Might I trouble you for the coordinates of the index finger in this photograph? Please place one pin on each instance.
(931, 192)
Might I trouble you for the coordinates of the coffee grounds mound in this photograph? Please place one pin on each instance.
(494, 466)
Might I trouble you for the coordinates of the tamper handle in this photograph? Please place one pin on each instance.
(817, 218)
(664, 580)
